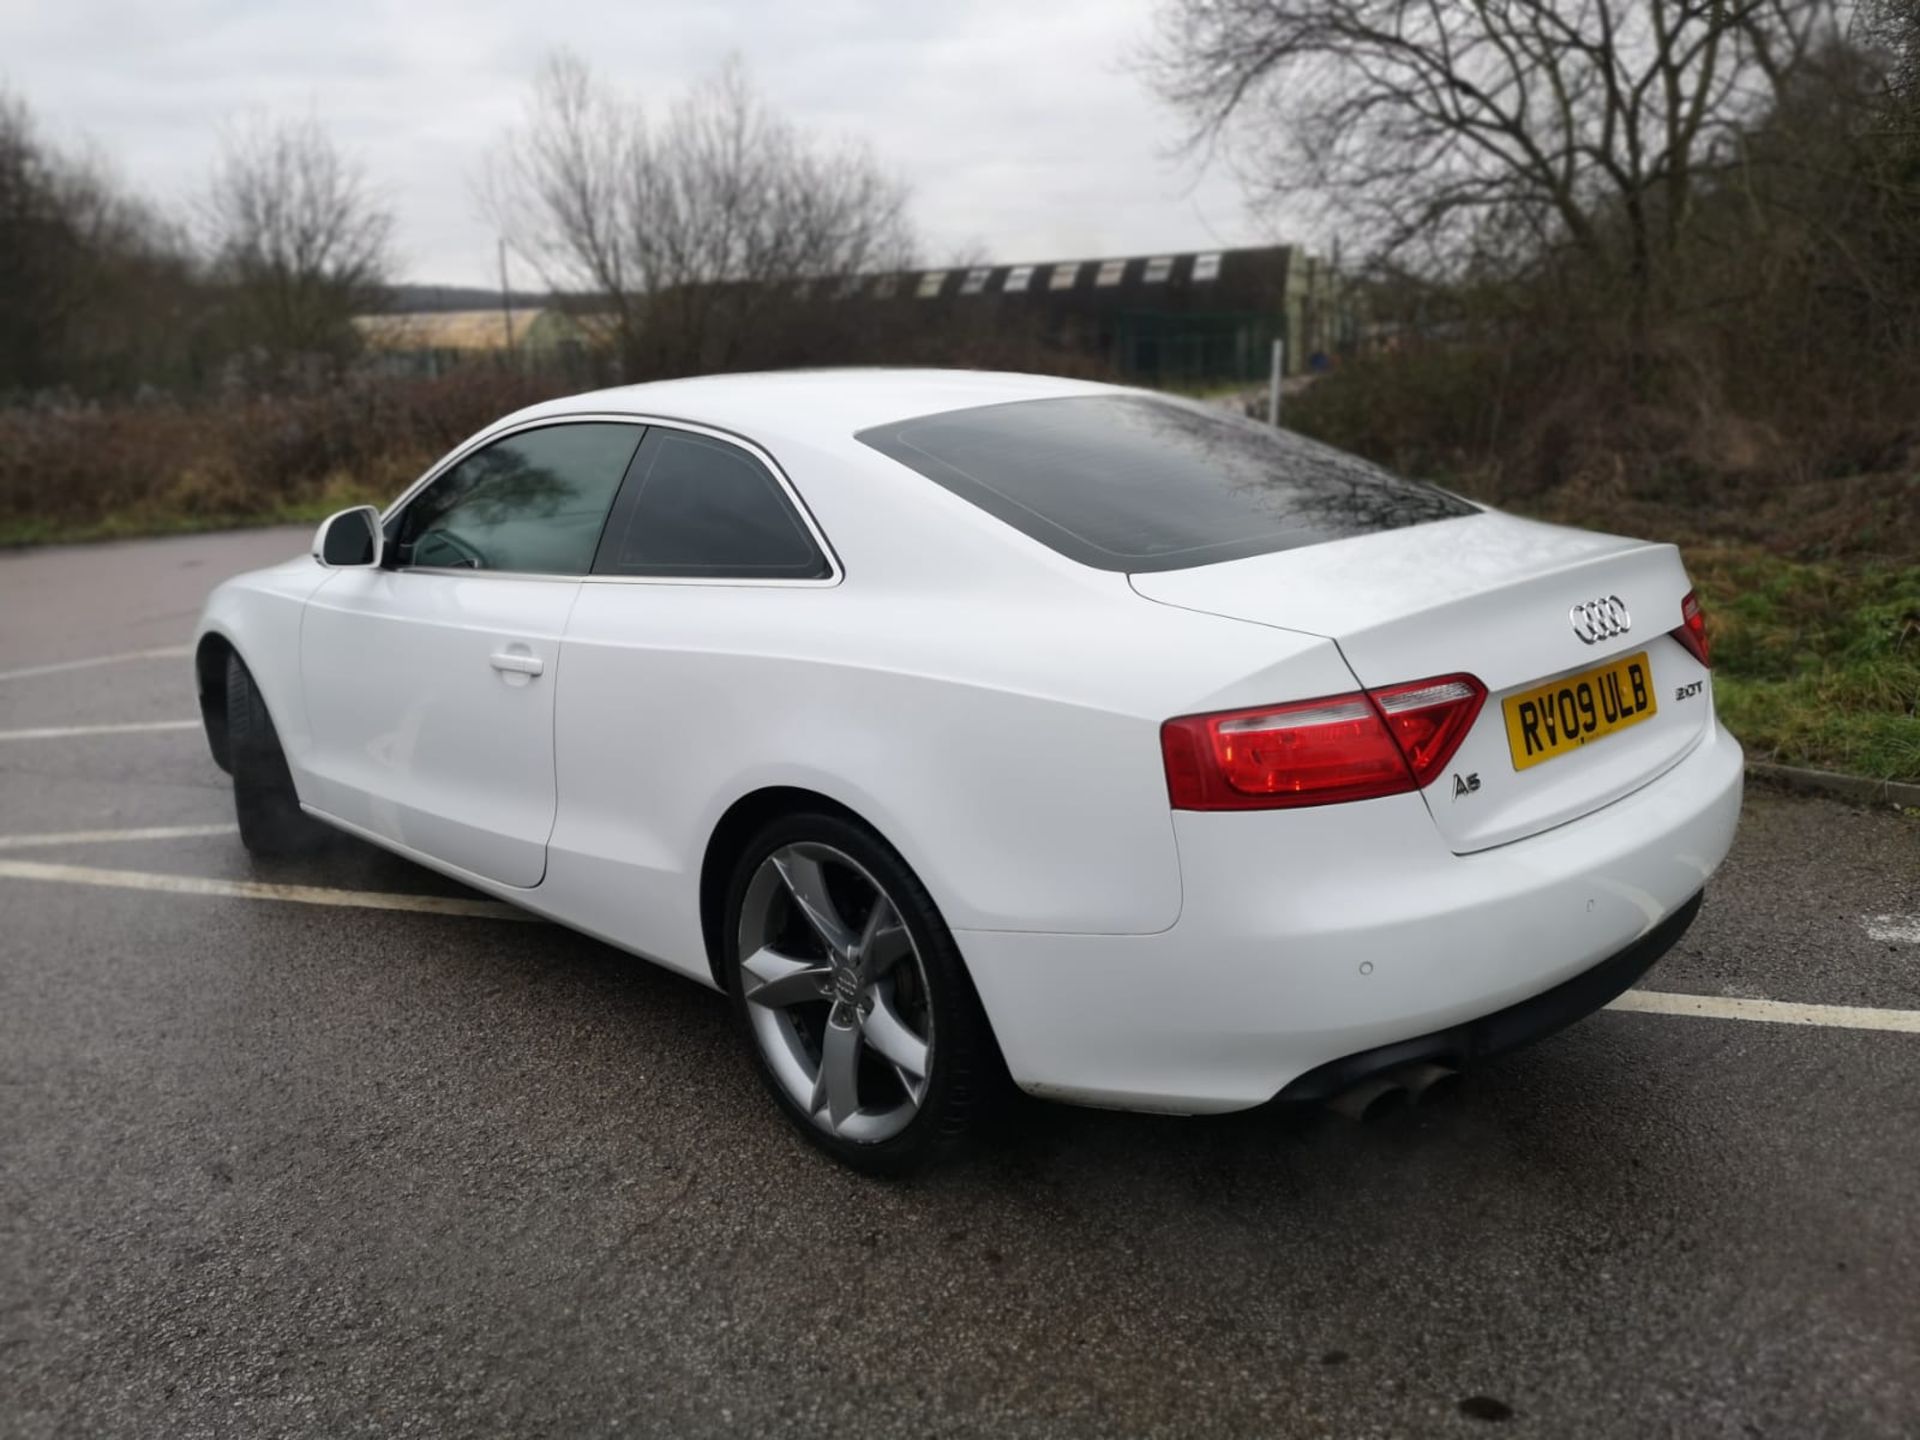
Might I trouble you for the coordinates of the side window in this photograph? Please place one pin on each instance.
(534, 503)
(699, 507)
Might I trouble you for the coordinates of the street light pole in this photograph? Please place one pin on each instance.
(506, 297)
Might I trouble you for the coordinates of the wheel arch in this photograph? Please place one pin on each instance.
(737, 825)
(210, 671)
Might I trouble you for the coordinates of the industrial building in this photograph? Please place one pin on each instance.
(1157, 319)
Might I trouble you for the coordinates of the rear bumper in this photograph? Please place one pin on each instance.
(1309, 939)
(1509, 1029)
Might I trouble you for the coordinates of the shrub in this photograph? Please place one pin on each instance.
(78, 470)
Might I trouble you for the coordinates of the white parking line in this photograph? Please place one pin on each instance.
(62, 732)
(1893, 929)
(1641, 1002)
(108, 837)
(1772, 1012)
(259, 890)
(165, 652)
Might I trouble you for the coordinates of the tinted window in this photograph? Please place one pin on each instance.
(701, 507)
(1132, 483)
(535, 502)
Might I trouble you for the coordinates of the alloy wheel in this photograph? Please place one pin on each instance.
(836, 991)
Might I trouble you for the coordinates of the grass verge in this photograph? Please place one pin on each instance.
(17, 532)
(1815, 664)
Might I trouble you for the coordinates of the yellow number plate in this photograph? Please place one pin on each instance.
(1554, 719)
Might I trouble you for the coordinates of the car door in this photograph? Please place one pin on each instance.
(709, 569)
(430, 682)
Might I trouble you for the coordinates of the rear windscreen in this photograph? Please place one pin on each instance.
(1131, 483)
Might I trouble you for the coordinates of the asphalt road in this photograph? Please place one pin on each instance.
(273, 1168)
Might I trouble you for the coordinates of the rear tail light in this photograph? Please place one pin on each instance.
(1429, 719)
(1319, 752)
(1692, 632)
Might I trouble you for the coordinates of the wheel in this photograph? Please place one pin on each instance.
(272, 824)
(853, 997)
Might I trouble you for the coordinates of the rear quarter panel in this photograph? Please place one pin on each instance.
(1006, 743)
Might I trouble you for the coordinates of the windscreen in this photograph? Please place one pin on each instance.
(1133, 483)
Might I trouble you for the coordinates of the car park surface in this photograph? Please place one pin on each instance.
(276, 1161)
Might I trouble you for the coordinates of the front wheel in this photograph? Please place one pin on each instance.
(852, 994)
(272, 824)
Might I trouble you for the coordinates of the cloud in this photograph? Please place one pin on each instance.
(1018, 125)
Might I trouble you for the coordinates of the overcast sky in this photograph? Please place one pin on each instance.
(1017, 123)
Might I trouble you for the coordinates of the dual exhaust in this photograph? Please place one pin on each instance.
(1392, 1089)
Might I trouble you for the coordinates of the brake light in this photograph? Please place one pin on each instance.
(1692, 632)
(1319, 752)
(1429, 719)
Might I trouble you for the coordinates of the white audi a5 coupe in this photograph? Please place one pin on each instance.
(961, 726)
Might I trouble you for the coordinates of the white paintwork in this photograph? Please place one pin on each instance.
(1498, 589)
(1312, 934)
(419, 735)
(993, 710)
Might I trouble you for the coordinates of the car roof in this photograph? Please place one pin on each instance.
(820, 407)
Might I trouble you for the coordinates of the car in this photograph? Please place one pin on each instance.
(966, 727)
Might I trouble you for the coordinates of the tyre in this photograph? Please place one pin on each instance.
(272, 824)
(853, 998)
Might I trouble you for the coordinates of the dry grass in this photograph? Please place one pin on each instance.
(88, 472)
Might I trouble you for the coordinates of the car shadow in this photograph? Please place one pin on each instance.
(1570, 1114)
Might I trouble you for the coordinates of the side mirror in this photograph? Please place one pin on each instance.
(350, 538)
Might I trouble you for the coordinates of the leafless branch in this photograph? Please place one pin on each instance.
(296, 237)
(1420, 119)
(687, 229)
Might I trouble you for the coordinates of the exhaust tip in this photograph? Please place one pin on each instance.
(1427, 1083)
(1370, 1100)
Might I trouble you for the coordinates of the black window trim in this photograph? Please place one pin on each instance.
(642, 422)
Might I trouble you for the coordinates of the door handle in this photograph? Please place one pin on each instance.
(516, 663)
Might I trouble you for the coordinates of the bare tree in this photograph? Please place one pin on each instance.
(36, 240)
(691, 230)
(1470, 126)
(298, 241)
(1893, 27)
(95, 286)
